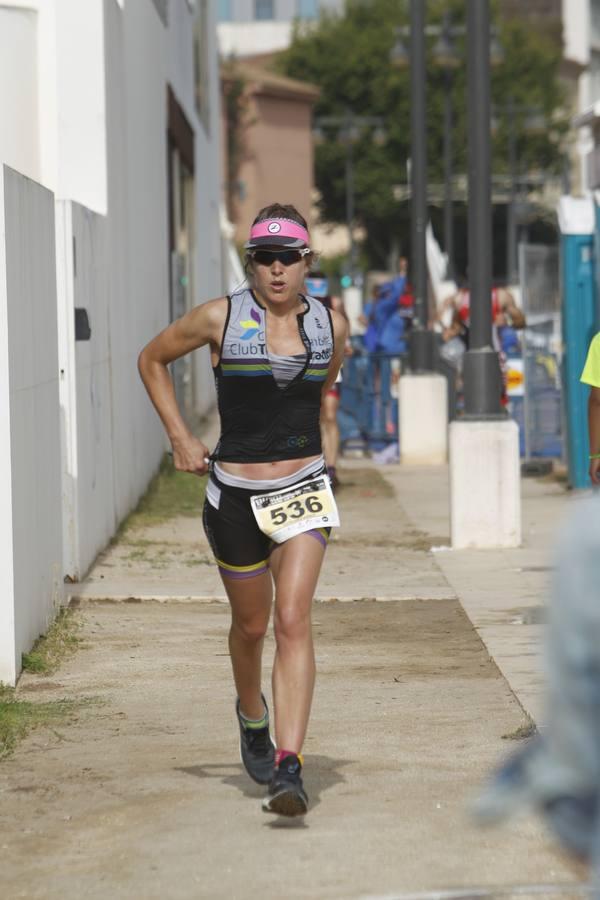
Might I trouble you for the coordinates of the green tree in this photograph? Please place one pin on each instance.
(348, 57)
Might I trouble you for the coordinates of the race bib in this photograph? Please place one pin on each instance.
(285, 513)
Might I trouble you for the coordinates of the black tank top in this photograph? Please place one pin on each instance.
(261, 422)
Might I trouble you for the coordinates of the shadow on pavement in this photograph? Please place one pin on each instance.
(322, 773)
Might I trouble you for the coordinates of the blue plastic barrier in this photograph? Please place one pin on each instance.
(368, 413)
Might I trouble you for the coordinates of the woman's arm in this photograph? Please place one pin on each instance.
(594, 432)
(340, 336)
(202, 325)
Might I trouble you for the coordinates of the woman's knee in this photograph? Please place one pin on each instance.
(291, 624)
(251, 631)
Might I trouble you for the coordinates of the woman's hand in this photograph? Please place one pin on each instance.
(190, 455)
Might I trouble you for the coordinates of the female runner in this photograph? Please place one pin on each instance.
(275, 352)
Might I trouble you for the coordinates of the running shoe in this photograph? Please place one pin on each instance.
(287, 796)
(256, 749)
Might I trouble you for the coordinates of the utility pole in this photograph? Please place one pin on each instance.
(423, 394)
(448, 202)
(350, 198)
(485, 499)
(512, 275)
(421, 341)
(481, 365)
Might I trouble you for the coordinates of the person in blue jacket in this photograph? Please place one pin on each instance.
(383, 307)
(393, 337)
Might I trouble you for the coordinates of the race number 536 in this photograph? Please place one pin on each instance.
(303, 507)
(295, 509)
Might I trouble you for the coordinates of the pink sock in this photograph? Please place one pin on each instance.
(281, 754)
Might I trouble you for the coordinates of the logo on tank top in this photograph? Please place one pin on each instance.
(250, 326)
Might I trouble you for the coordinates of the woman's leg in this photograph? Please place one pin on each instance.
(295, 565)
(250, 600)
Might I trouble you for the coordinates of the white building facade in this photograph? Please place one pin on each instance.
(109, 229)
(581, 35)
(252, 27)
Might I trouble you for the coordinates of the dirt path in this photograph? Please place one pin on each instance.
(143, 796)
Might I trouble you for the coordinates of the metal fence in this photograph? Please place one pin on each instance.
(540, 413)
(368, 413)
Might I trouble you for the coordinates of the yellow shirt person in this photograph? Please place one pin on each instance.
(591, 376)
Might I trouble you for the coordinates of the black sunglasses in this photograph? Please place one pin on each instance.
(285, 257)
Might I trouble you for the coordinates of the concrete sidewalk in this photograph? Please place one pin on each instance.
(143, 795)
(503, 592)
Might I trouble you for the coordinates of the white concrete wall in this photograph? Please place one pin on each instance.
(52, 95)
(137, 232)
(207, 275)
(30, 507)
(116, 267)
(576, 20)
(209, 265)
(81, 116)
(89, 502)
(142, 57)
(83, 103)
(576, 30)
(19, 131)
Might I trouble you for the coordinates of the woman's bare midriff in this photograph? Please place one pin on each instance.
(268, 470)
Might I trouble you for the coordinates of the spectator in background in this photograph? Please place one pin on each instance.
(393, 337)
(455, 320)
(384, 305)
(505, 312)
(591, 376)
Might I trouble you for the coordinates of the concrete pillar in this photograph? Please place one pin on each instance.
(485, 488)
(423, 426)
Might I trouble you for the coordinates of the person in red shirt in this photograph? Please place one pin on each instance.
(504, 312)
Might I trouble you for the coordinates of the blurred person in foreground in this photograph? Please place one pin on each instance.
(591, 376)
(557, 772)
(317, 285)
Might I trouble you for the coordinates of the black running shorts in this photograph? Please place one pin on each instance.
(241, 549)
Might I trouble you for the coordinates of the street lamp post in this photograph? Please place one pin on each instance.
(488, 53)
(446, 58)
(511, 229)
(481, 365)
(448, 200)
(485, 505)
(423, 394)
(350, 206)
(421, 341)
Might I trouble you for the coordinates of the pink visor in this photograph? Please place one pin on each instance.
(278, 233)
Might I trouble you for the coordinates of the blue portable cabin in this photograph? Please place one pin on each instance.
(579, 223)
